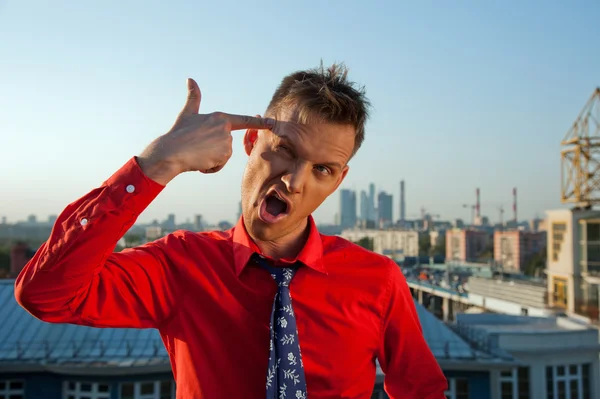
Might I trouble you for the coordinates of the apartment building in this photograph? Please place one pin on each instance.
(513, 249)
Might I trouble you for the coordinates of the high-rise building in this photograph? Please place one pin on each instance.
(169, 224)
(402, 203)
(465, 245)
(384, 209)
(372, 209)
(364, 206)
(347, 208)
(198, 223)
(514, 248)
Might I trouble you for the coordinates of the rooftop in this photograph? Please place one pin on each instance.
(500, 323)
(499, 333)
(27, 343)
(443, 342)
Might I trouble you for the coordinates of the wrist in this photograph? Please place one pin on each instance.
(157, 167)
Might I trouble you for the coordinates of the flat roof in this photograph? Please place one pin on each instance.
(27, 343)
(500, 323)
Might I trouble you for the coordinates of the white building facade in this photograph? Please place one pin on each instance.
(393, 243)
(558, 357)
(573, 266)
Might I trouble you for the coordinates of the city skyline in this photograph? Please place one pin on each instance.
(464, 97)
(360, 211)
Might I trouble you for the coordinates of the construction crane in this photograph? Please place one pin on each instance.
(501, 210)
(580, 157)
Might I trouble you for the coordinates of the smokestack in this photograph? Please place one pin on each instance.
(477, 206)
(402, 202)
(515, 203)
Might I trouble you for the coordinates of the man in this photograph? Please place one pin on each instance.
(270, 307)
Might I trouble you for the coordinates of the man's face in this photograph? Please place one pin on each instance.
(291, 170)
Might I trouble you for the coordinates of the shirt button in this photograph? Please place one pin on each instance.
(83, 221)
(130, 188)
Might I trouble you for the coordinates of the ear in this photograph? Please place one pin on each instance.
(250, 139)
(342, 176)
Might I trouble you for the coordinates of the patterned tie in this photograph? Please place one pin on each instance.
(285, 376)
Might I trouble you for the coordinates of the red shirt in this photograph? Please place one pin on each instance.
(212, 306)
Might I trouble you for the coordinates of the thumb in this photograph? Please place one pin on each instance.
(192, 104)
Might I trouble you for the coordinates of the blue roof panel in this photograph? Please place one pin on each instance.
(443, 342)
(25, 340)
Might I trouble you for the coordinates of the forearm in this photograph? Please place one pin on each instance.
(54, 283)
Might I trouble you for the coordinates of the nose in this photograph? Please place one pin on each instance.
(295, 179)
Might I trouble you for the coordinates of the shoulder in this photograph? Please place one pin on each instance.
(377, 275)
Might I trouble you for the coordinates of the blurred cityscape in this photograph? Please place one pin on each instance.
(510, 310)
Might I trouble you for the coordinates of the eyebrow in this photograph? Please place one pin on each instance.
(286, 139)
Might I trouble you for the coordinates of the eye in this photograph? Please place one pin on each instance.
(323, 169)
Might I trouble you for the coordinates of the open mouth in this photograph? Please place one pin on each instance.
(273, 208)
(275, 205)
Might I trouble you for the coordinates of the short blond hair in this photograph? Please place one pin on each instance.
(325, 94)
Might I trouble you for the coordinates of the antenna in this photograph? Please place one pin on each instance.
(477, 204)
(515, 204)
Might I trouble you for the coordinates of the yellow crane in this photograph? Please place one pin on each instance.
(580, 157)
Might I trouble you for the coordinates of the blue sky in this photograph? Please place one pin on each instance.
(466, 94)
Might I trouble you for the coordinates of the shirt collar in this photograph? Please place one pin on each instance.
(244, 247)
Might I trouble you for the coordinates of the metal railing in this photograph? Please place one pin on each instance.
(437, 287)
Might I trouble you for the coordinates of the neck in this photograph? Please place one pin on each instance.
(287, 246)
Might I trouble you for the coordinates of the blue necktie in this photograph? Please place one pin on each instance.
(285, 375)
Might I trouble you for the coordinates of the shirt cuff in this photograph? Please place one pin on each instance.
(130, 188)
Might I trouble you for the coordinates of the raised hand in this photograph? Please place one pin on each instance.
(195, 142)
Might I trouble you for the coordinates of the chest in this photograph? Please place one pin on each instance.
(338, 321)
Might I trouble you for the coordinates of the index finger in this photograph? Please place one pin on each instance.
(239, 122)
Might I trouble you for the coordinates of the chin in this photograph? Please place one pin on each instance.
(262, 231)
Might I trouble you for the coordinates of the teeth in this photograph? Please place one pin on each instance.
(277, 196)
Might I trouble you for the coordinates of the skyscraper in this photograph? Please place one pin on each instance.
(364, 206)
(169, 224)
(347, 208)
(402, 203)
(198, 223)
(372, 209)
(385, 208)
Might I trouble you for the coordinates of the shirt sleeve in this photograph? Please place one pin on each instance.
(411, 371)
(76, 277)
